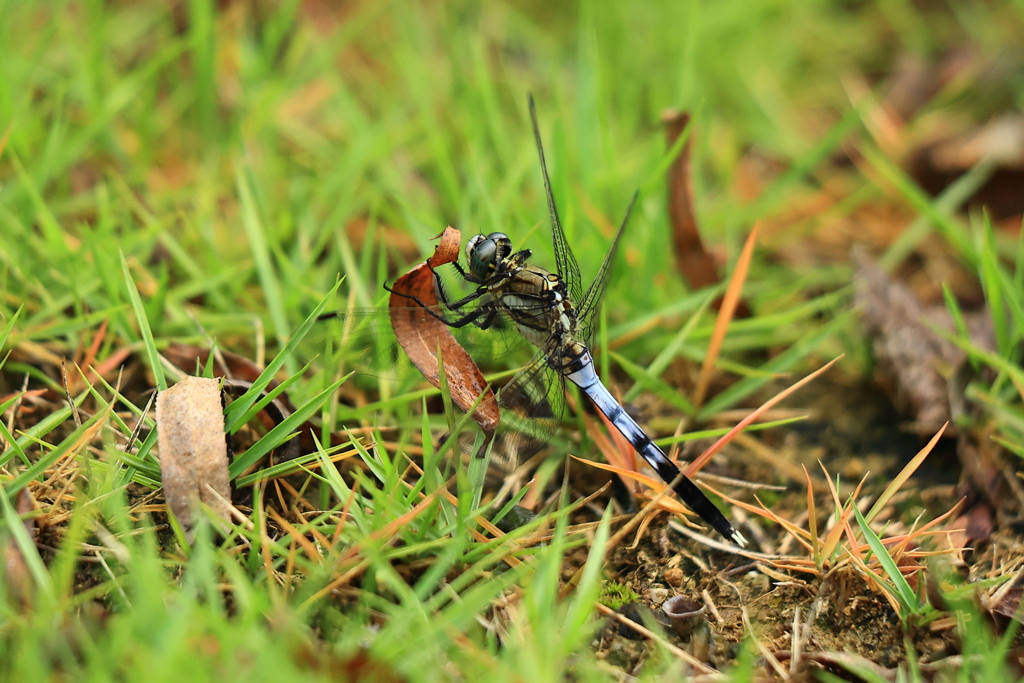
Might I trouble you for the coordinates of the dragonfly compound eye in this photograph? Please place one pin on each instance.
(485, 252)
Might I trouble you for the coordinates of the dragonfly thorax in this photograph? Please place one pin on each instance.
(538, 303)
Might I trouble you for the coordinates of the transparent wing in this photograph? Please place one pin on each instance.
(586, 311)
(531, 404)
(362, 339)
(566, 262)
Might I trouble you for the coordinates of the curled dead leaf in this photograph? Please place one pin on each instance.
(904, 343)
(1009, 605)
(423, 336)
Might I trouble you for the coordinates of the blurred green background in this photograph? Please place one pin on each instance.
(139, 122)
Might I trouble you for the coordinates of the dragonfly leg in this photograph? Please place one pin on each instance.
(457, 305)
(465, 274)
(472, 316)
(460, 322)
(442, 295)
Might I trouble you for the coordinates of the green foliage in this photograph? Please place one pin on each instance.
(992, 381)
(200, 173)
(615, 594)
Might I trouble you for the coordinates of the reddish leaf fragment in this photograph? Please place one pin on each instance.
(692, 259)
(422, 335)
(193, 448)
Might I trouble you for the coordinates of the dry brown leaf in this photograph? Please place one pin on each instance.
(1000, 142)
(1009, 605)
(692, 259)
(904, 344)
(193, 448)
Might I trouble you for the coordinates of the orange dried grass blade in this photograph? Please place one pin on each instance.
(725, 314)
(625, 472)
(762, 511)
(790, 528)
(657, 487)
(904, 474)
(625, 448)
(320, 538)
(297, 536)
(86, 366)
(925, 530)
(832, 540)
(704, 457)
(612, 448)
(855, 547)
(641, 530)
(847, 527)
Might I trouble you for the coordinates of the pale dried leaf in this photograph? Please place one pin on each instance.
(193, 448)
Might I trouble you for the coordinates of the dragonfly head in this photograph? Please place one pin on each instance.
(486, 252)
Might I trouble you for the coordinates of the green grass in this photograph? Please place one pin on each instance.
(199, 174)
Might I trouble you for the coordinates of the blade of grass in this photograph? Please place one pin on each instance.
(269, 281)
(78, 438)
(156, 365)
(779, 363)
(235, 412)
(281, 432)
(903, 591)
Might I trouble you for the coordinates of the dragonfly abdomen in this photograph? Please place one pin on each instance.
(582, 374)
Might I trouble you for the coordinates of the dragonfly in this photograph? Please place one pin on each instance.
(552, 312)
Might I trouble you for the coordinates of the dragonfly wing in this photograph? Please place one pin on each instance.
(586, 311)
(531, 404)
(363, 340)
(564, 259)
